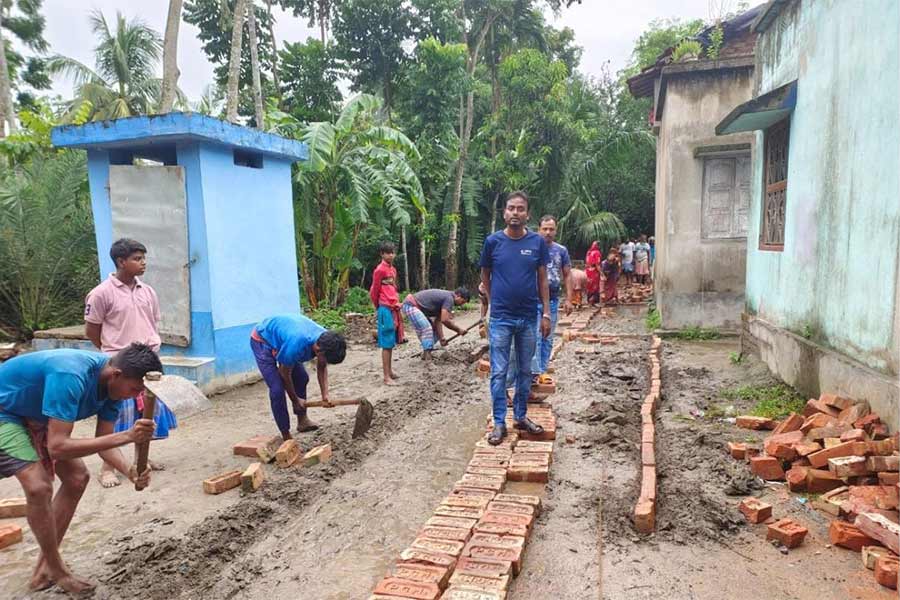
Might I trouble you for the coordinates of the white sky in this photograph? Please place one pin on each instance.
(606, 29)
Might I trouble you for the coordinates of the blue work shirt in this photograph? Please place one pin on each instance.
(559, 259)
(514, 265)
(59, 384)
(291, 336)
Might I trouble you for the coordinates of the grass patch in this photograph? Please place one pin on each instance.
(735, 357)
(329, 318)
(773, 401)
(693, 334)
(653, 320)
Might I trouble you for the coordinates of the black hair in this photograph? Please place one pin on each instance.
(136, 360)
(517, 194)
(333, 346)
(463, 293)
(546, 218)
(387, 248)
(124, 248)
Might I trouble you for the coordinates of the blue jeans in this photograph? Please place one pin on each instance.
(503, 334)
(544, 345)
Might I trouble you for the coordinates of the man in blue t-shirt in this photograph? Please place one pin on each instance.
(42, 394)
(514, 277)
(281, 345)
(559, 267)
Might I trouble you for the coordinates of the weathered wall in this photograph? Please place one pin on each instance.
(698, 282)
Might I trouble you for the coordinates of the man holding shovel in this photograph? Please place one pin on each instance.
(42, 394)
(429, 311)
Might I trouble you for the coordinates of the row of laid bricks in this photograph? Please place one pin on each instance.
(645, 509)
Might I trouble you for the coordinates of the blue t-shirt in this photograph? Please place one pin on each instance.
(514, 265)
(291, 336)
(559, 259)
(59, 384)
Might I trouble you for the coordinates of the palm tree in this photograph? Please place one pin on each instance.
(170, 57)
(358, 172)
(124, 82)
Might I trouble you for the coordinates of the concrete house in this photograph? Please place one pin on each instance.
(702, 180)
(822, 294)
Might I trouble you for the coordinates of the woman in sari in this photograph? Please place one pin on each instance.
(593, 256)
(611, 268)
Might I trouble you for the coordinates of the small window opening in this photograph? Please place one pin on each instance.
(242, 158)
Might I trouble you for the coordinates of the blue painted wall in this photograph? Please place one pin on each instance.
(837, 275)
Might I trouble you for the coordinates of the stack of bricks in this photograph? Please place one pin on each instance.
(645, 510)
(539, 412)
(839, 449)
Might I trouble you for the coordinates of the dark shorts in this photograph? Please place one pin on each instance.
(16, 449)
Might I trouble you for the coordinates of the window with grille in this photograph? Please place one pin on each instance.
(775, 179)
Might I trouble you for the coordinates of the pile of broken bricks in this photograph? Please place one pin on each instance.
(264, 449)
(839, 449)
(645, 509)
(636, 293)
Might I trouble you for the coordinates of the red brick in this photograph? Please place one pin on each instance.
(533, 474)
(540, 447)
(507, 554)
(411, 555)
(877, 464)
(788, 532)
(487, 462)
(287, 454)
(10, 534)
(879, 431)
(394, 586)
(648, 431)
(11, 508)
(835, 401)
(881, 496)
(497, 471)
(829, 431)
(886, 478)
(848, 466)
(807, 448)
(483, 568)
(462, 512)
(792, 422)
(881, 447)
(451, 522)
(214, 485)
(449, 547)
(820, 459)
(513, 508)
(737, 450)
(847, 535)
(817, 420)
(645, 515)
(317, 455)
(767, 467)
(755, 510)
(250, 447)
(880, 528)
(488, 584)
(854, 435)
(469, 501)
(867, 421)
(886, 570)
(751, 422)
(506, 519)
(822, 480)
(533, 501)
(459, 534)
(782, 444)
(871, 553)
(796, 478)
(854, 413)
(814, 406)
(648, 455)
(648, 482)
(420, 573)
(483, 482)
(501, 529)
(530, 459)
(252, 477)
(472, 493)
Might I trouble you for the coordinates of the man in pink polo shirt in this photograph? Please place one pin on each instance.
(122, 310)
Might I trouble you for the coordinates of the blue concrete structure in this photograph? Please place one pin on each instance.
(240, 225)
(824, 309)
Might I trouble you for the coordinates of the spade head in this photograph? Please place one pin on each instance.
(364, 414)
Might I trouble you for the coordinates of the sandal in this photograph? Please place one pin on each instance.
(495, 437)
(528, 425)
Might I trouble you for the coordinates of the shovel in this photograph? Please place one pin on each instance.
(456, 335)
(364, 412)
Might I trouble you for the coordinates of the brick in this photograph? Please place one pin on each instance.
(501, 529)
(792, 422)
(787, 532)
(11, 508)
(871, 553)
(483, 568)
(782, 445)
(451, 522)
(10, 534)
(317, 455)
(880, 496)
(287, 454)
(648, 482)
(498, 541)
(509, 554)
(419, 573)
(880, 528)
(854, 435)
(496, 471)
(755, 510)
(852, 414)
(848, 466)
(645, 515)
(829, 431)
(215, 485)
(461, 512)
(483, 482)
(439, 532)
(888, 478)
(648, 455)
(478, 582)
(469, 501)
(482, 446)
(831, 442)
(266, 452)
(796, 478)
(737, 450)
(512, 508)
(886, 569)
(879, 431)
(876, 464)
(534, 474)
(486, 462)
(817, 420)
(835, 401)
(814, 406)
(831, 501)
(648, 433)
(469, 593)
(412, 555)
(394, 586)
(449, 547)
(767, 467)
(807, 448)
(820, 459)
(530, 459)
(249, 447)
(881, 447)
(867, 421)
(506, 519)
(253, 477)
(472, 493)
(529, 446)
(496, 453)
(751, 422)
(822, 480)
(533, 501)
(847, 535)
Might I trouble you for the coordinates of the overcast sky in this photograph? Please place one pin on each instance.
(606, 29)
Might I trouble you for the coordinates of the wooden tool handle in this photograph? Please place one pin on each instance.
(142, 450)
(321, 404)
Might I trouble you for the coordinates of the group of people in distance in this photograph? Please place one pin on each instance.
(599, 281)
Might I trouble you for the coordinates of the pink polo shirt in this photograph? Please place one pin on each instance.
(126, 314)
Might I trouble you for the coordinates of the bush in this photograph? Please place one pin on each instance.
(653, 320)
(357, 301)
(772, 401)
(698, 333)
(329, 318)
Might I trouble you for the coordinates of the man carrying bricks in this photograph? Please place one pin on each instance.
(514, 275)
(281, 345)
(42, 394)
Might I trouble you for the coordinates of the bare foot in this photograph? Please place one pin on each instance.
(389, 382)
(109, 479)
(40, 579)
(394, 375)
(155, 466)
(304, 425)
(73, 584)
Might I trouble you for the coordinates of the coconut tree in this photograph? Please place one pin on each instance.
(234, 62)
(170, 57)
(123, 82)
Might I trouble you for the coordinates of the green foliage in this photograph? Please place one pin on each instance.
(686, 50)
(358, 301)
(716, 39)
(329, 318)
(771, 401)
(660, 35)
(808, 331)
(34, 134)
(735, 357)
(693, 334)
(309, 76)
(24, 24)
(653, 320)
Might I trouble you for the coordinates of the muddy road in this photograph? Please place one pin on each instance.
(330, 532)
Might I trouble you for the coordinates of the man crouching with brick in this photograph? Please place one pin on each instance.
(42, 394)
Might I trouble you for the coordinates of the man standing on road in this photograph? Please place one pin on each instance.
(514, 275)
(559, 268)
